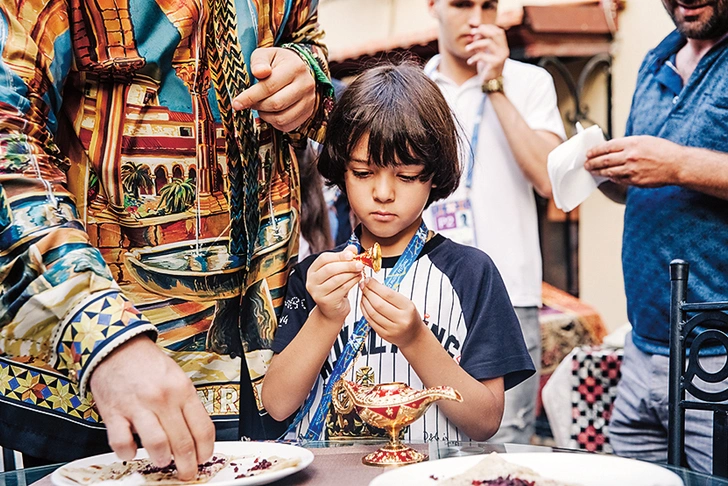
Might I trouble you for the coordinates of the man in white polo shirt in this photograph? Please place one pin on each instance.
(509, 123)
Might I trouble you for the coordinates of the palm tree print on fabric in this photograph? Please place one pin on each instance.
(176, 196)
(135, 177)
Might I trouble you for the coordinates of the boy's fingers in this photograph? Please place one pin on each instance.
(327, 258)
(348, 253)
(332, 285)
(375, 314)
(384, 294)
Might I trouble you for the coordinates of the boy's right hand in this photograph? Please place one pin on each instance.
(330, 278)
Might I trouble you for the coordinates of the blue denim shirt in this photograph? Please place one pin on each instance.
(674, 222)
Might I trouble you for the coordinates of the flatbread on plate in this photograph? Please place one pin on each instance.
(493, 469)
(149, 473)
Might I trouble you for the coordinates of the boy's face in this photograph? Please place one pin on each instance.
(456, 20)
(388, 201)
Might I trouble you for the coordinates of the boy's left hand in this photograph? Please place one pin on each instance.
(392, 315)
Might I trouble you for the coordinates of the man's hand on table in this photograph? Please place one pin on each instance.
(139, 389)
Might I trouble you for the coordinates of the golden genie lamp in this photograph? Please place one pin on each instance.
(389, 406)
(371, 258)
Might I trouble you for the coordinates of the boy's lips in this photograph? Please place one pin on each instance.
(383, 216)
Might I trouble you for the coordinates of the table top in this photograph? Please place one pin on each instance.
(334, 460)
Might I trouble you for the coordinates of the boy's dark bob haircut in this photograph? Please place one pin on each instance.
(408, 122)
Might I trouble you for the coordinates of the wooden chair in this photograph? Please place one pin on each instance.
(706, 324)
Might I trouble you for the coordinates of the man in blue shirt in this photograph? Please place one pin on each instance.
(671, 169)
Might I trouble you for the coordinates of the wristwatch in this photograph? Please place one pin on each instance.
(494, 85)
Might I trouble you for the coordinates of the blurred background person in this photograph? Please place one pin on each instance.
(510, 122)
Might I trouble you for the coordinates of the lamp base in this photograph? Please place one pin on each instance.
(394, 455)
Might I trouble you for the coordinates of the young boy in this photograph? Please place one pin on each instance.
(392, 147)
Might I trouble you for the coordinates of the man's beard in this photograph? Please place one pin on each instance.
(712, 28)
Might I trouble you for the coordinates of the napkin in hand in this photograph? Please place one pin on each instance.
(571, 184)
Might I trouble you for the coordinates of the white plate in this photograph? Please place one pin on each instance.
(225, 477)
(582, 469)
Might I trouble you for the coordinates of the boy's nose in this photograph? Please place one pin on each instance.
(383, 189)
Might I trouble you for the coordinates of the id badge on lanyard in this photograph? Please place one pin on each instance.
(454, 217)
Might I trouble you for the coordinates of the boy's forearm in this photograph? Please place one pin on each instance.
(293, 372)
(480, 412)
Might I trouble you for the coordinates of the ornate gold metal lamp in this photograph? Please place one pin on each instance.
(390, 406)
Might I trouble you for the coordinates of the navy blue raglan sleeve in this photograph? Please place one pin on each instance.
(494, 345)
(296, 307)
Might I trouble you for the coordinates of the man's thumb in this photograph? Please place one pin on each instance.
(261, 61)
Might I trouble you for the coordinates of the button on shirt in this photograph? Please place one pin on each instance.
(502, 199)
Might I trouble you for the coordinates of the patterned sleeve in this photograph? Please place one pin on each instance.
(304, 35)
(59, 302)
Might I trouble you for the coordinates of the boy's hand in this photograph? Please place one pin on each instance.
(330, 278)
(392, 315)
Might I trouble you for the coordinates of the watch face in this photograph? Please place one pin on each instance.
(493, 85)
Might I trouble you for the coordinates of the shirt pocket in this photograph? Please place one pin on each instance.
(710, 129)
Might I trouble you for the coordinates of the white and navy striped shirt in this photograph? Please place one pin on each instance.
(459, 292)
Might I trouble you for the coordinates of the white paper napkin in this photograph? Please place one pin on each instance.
(571, 184)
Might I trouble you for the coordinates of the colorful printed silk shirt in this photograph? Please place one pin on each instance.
(134, 200)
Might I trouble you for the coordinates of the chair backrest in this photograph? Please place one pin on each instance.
(695, 326)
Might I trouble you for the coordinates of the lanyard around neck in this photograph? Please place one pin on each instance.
(356, 340)
(474, 138)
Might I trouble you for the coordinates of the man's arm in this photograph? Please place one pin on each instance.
(59, 302)
(645, 161)
(530, 147)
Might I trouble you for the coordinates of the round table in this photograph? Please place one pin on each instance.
(334, 460)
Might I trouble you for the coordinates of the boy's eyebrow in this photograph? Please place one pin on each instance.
(361, 161)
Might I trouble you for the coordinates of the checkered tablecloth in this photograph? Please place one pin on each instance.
(594, 377)
(579, 396)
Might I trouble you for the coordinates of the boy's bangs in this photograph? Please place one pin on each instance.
(396, 137)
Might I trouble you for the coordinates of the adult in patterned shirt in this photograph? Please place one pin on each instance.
(149, 191)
